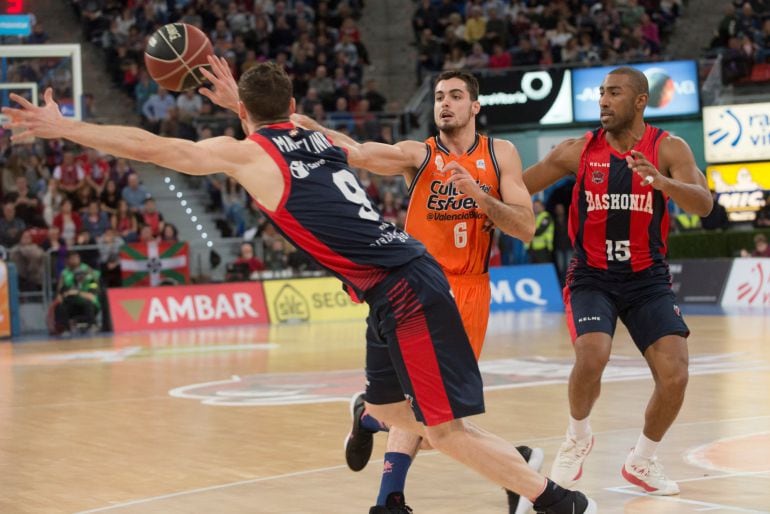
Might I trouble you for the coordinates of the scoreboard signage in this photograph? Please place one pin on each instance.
(516, 97)
(673, 87)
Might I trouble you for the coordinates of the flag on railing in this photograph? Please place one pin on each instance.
(153, 263)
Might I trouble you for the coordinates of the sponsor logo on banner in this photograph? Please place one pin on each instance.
(520, 288)
(740, 188)
(311, 299)
(141, 308)
(748, 284)
(512, 97)
(699, 281)
(673, 89)
(15, 25)
(735, 133)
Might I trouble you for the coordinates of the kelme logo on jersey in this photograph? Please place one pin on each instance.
(619, 202)
(446, 197)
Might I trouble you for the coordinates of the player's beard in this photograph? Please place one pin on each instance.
(454, 125)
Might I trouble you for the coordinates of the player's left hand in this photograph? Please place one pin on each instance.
(462, 179)
(645, 169)
(45, 121)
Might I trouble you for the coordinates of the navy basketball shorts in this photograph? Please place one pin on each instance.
(417, 348)
(643, 300)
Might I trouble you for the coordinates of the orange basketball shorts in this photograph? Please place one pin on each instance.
(473, 294)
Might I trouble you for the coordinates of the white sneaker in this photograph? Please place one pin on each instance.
(567, 467)
(648, 474)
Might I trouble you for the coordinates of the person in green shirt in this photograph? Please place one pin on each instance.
(77, 294)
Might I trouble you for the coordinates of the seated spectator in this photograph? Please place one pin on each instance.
(155, 110)
(478, 59)
(83, 197)
(28, 206)
(96, 169)
(37, 174)
(78, 295)
(763, 216)
(134, 193)
(761, 248)
(500, 57)
(68, 222)
(150, 217)
(717, 218)
(245, 264)
(85, 245)
(146, 235)
(29, 260)
(70, 174)
(11, 226)
(109, 197)
(56, 247)
(275, 255)
(234, 203)
(169, 234)
(96, 222)
(735, 63)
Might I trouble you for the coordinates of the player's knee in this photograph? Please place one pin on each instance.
(591, 367)
(675, 380)
(446, 436)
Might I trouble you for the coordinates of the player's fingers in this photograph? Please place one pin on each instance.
(206, 92)
(21, 101)
(23, 135)
(48, 96)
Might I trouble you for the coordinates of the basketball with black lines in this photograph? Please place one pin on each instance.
(175, 54)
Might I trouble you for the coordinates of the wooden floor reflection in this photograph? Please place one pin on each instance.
(251, 420)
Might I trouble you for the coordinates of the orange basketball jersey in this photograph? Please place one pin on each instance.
(447, 222)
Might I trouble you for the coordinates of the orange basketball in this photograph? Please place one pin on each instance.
(175, 54)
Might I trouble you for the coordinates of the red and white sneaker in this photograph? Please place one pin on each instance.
(648, 474)
(567, 467)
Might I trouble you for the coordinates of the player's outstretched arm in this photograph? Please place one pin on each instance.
(402, 158)
(684, 183)
(206, 157)
(513, 215)
(560, 162)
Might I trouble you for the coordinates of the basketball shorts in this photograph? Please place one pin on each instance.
(473, 295)
(417, 348)
(643, 300)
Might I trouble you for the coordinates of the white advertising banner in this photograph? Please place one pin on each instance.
(736, 133)
(748, 284)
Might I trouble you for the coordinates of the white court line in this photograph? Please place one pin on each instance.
(706, 505)
(211, 488)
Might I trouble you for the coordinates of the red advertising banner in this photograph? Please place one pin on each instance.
(143, 308)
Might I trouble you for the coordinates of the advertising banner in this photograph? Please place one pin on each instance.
(526, 287)
(514, 97)
(5, 302)
(311, 299)
(15, 25)
(736, 133)
(142, 308)
(673, 86)
(699, 281)
(740, 188)
(749, 284)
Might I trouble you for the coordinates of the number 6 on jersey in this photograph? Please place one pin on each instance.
(461, 234)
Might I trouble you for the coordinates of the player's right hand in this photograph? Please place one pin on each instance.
(225, 92)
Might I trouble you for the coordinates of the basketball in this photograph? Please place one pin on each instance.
(175, 54)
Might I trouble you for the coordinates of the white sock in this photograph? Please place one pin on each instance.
(645, 447)
(579, 429)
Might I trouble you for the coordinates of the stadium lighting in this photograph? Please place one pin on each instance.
(188, 211)
(171, 187)
(204, 235)
(198, 227)
(209, 244)
(184, 203)
(194, 218)
(167, 180)
(179, 194)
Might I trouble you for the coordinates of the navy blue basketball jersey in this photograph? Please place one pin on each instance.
(325, 211)
(615, 222)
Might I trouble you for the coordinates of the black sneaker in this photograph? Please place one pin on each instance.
(360, 441)
(534, 457)
(574, 502)
(394, 504)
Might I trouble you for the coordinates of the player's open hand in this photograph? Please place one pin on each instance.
(225, 92)
(46, 121)
(644, 168)
(462, 179)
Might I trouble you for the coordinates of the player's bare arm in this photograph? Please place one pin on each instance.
(678, 176)
(560, 162)
(403, 158)
(513, 215)
(203, 158)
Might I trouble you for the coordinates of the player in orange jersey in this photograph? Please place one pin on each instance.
(457, 181)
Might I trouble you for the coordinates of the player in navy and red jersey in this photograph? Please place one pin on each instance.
(303, 185)
(618, 222)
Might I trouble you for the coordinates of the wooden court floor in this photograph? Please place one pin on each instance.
(251, 420)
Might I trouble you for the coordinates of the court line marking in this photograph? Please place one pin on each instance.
(423, 454)
(628, 490)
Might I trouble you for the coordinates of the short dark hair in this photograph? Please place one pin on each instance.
(638, 79)
(471, 82)
(266, 91)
